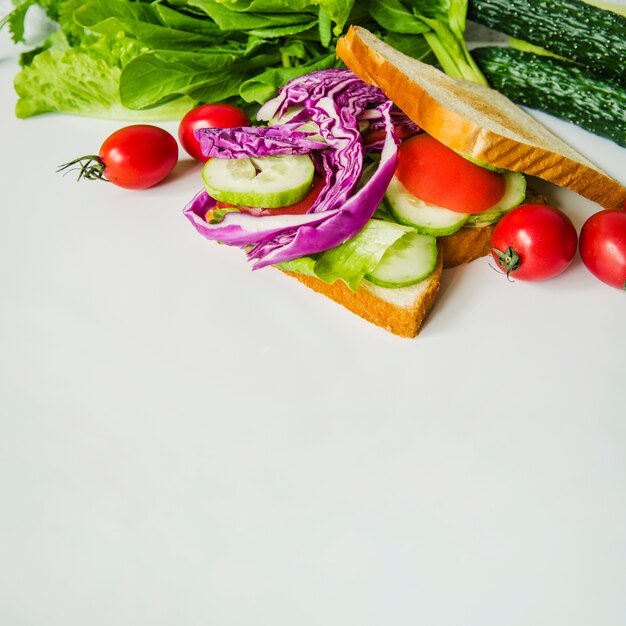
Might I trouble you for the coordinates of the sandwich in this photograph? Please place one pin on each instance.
(366, 182)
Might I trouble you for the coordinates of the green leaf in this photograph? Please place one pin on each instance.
(354, 258)
(153, 35)
(267, 6)
(228, 19)
(414, 46)
(304, 265)
(395, 17)
(83, 80)
(15, 19)
(182, 21)
(151, 79)
(92, 12)
(282, 31)
(338, 11)
(325, 28)
(262, 87)
(156, 78)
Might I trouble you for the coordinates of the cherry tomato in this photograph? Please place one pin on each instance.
(299, 207)
(534, 242)
(208, 116)
(139, 156)
(603, 246)
(438, 175)
(134, 157)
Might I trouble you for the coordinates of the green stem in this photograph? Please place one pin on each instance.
(90, 167)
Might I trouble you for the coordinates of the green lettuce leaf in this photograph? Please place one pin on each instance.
(353, 259)
(155, 78)
(229, 18)
(16, 18)
(414, 46)
(397, 18)
(264, 85)
(338, 11)
(267, 6)
(84, 80)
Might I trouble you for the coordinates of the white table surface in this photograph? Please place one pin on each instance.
(186, 442)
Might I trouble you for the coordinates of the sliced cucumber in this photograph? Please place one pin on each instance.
(514, 194)
(428, 219)
(482, 164)
(267, 182)
(408, 261)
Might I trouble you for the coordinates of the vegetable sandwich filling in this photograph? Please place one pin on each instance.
(340, 185)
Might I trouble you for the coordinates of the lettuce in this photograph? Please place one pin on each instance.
(83, 80)
(354, 259)
(163, 57)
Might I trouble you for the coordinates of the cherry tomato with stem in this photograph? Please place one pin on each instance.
(602, 246)
(534, 242)
(134, 157)
(208, 116)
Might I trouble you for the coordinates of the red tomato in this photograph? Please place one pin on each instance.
(603, 246)
(208, 116)
(138, 156)
(134, 157)
(534, 242)
(436, 174)
(299, 207)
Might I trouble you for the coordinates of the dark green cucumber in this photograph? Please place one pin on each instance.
(558, 87)
(573, 29)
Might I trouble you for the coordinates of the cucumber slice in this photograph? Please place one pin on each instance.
(482, 164)
(428, 219)
(514, 194)
(408, 261)
(266, 182)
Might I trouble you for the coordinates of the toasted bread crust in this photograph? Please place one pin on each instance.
(404, 321)
(466, 136)
(465, 245)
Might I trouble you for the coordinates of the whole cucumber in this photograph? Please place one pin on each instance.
(593, 37)
(558, 87)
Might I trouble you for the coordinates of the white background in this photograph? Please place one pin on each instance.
(186, 442)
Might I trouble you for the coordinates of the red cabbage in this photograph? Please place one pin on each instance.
(335, 100)
(243, 229)
(308, 89)
(234, 143)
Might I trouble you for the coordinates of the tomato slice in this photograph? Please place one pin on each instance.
(438, 175)
(293, 209)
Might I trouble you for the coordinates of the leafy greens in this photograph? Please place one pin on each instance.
(151, 60)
